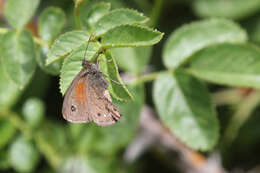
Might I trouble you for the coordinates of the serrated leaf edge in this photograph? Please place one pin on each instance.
(120, 81)
(146, 19)
(56, 40)
(161, 34)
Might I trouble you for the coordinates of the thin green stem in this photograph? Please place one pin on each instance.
(40, 41)
(156, 12)
(77, 16)
(147, 78)
(227, 97)
(3, 30)
(243, 112)
(46, 149)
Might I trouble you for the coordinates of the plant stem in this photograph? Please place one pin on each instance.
(243, 112)
(46, 149)
(156, 12)
(148, 77)
(40, 41)
(35, 39)
(3, 30)
(77, 17)
(227, 97)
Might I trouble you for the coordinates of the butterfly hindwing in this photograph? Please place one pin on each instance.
(103, 111)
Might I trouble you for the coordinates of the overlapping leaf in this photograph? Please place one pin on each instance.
(65, 44)
(53, 68)
(51, 21)
(184, 106)
(116, 18)
(73, 64)
(95, 13)
(116, 87)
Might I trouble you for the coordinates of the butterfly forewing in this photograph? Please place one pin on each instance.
(75, 103)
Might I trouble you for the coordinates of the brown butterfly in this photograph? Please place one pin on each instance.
(88, 99)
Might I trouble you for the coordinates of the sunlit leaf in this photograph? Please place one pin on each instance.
(228, 64)
(51, 21)
(130, 36)
(19, 12)
(18, 56)
(115, 18)
(190, 38)
(235, 9)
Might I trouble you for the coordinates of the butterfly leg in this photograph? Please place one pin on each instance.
(111, 79)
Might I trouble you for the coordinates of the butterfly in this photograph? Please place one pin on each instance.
(88, 99)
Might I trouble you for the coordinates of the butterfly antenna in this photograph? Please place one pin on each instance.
(90, 38)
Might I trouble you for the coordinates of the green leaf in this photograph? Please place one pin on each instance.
(73, 64)
(18, 57)
(7, 132)
(23, 155)
(235, 9)
(77, 164)
(51, 22)
(33, 111)
(65, 44)
(229, 64)
(55, 136)
(117, 17)
(4, 160)
(54, 68)
(19, 12)
(9, 92)
(96, 12)
(184, 106)
(132, 59)
(130, 36)
(190, 38)
(116, 87)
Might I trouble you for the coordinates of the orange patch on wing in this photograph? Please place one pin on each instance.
(80, 91)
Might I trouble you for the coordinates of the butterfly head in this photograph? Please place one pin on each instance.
(86, 64)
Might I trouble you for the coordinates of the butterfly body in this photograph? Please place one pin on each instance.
(88, 99)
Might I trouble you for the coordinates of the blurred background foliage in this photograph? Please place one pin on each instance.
(35, 138)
